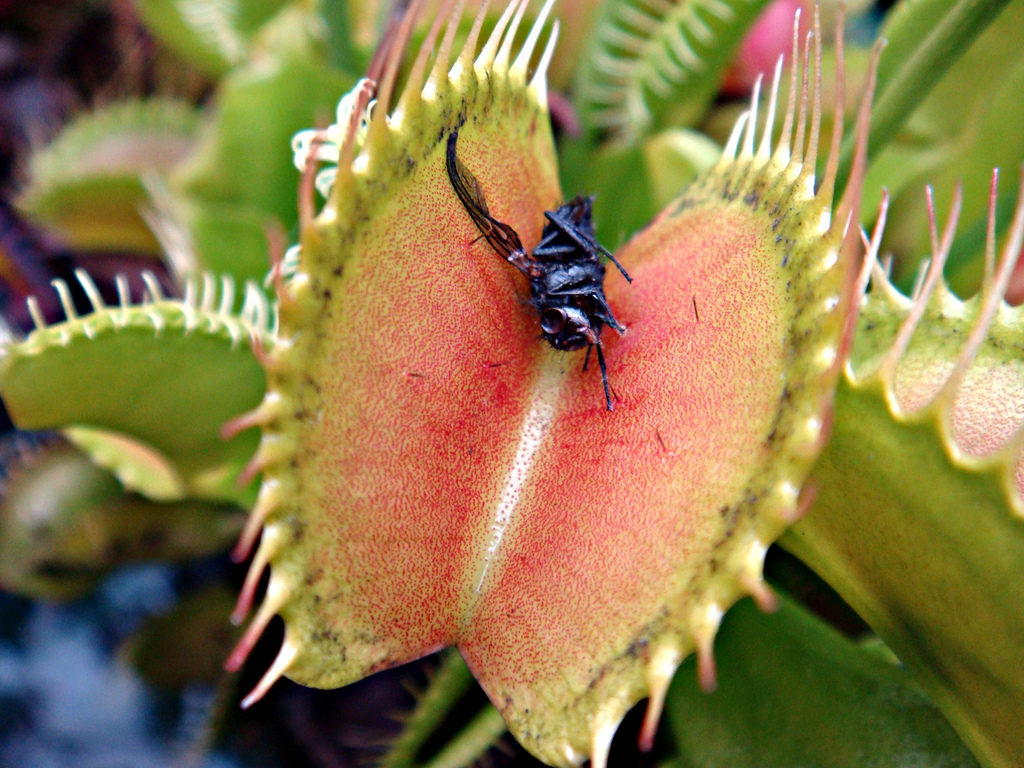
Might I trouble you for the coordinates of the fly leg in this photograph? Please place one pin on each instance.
(604, 375)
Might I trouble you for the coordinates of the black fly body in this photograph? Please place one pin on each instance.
(565, 270)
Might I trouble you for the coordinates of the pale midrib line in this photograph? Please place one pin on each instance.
(535, 426)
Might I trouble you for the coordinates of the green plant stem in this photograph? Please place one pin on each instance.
(902, 86)
(469, 746)
(446, 687)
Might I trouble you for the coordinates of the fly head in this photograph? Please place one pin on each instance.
(569, 328)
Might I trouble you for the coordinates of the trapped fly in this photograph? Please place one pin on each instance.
(565, 270)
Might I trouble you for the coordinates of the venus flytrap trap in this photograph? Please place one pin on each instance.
(585, 553)
(933, 390)
(86, 184)
(165, 357)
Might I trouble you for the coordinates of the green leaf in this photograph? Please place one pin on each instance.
(166, 373)
(222, 238)
(342, 43)
(794, 692)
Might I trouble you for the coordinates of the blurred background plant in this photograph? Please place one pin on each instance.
(151, 140)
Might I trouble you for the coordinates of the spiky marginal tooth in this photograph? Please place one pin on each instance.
(282, 663)
(661, 668)
(270, 544)
(754, 584)
(705, 626)
(605, 724)
(671, 51)
(278, 592)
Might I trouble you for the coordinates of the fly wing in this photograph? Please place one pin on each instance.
(501, 236)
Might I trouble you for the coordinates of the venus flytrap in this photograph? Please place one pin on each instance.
(637, 528)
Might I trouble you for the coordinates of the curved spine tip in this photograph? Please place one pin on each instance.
(464, 63)
(255, 313)
(539, 81)
(307, 208)
(259, 350)
(763, 595)
(253, 467)
(660, 671)
(393, 52)
(849, 205)
(365, 92)
(485, 59)
(277, 670)
(36, 313)
(764, 150)
(275, 598)
(246, 541)
(209, 294)
(257, 417)
(601, 739)
(501, 61)
(154, 293)
(812, 142)
(268, 501)
(707, 674)
(227, 294)
(705, 626)
(868, 268)
(808, 492)
(748, 135)
(785, 146)
(124, 293)
(66, 301)
(270, 545)
(521, 65)
(932, 279)
(805, 85)
(277, 243)
(732, 145)
(990, 231)
(827, 189)
(415, 82)
(438, 71)
(90, 289)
